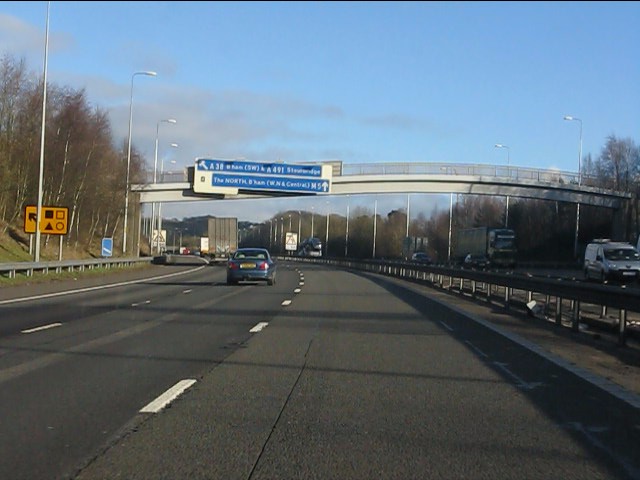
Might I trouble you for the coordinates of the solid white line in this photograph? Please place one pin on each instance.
(44, 327)
(258, 327)
(297, 290)
(446, 326)
(90, 289)
(167, 397)
(476, 349)
(627, 396)
(286, 303)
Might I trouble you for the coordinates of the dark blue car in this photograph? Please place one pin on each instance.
(251, 264)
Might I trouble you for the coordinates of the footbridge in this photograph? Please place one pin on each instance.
(438, 178)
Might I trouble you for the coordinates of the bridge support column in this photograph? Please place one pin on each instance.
(620, 223)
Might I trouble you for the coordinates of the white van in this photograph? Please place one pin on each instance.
(606, 260)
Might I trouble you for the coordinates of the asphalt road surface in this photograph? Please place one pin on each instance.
(327, 374)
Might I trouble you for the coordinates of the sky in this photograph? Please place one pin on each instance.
(359, 82)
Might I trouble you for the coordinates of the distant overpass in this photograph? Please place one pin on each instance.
(438, 178)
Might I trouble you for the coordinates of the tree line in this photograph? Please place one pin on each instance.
(85, 170)
(545, 229)
(84, 167)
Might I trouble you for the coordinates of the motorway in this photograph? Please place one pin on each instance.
(327, 374)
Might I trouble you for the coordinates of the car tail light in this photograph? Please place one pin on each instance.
(263, 266)
(233, 266)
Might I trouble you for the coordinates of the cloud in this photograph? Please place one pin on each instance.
(22, 39)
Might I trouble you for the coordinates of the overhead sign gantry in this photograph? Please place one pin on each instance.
(240, 176)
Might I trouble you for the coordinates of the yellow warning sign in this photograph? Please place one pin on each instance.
(53, 220)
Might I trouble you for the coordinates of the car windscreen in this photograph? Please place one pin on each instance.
(260, 254)
(622, 254)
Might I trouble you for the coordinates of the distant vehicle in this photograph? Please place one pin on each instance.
(487, 247)
(606, 260)
(222, 237)
(251, 264)
(421, 257)
(310, 247)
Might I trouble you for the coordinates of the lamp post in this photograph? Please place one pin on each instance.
(326, 240)
(42, 137)
(575, 243)
(506, 216)
(346, 235)
(126, 192)
(159, 222)
(408, 200)
(450, 225)
(312, 221)
(375, 216)
(154, 222)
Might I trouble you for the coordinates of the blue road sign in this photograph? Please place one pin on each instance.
(258, 168)
(280, 184)
(107, 247)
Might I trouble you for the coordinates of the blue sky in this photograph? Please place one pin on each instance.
(361, 82)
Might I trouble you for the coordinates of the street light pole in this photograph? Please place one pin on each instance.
(375, 216)
(575, 243)
(450, 225)
(346, 235)
(312, 221)
(506, 216)
(126, 192)
(155, 217)
(42, 137)
(408, 215)
(326, 240)
(174, 145)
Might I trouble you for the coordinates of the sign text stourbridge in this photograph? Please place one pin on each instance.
(276, 169)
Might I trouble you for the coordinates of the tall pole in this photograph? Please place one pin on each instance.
(375, 217)
(126, 191)
(326, 240)
(299, 225)
(450, 225)
(155, 222)
(346, 239)
(506, 216)
(44, 113)
(312, 221)
(408, 199)
(575, 242)
(175, 145)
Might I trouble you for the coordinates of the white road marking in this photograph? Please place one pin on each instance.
(446, 326)
(627, 396)
(187, 291)
(520, 382)
(258, 327)
(297, 290)
(100, 287)
(476, 349)
(44, 327)
(286, 303)
(301, 284)
(167, 397)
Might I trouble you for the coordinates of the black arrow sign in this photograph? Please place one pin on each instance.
(33, 216)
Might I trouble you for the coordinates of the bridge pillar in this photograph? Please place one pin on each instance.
(621, 223)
